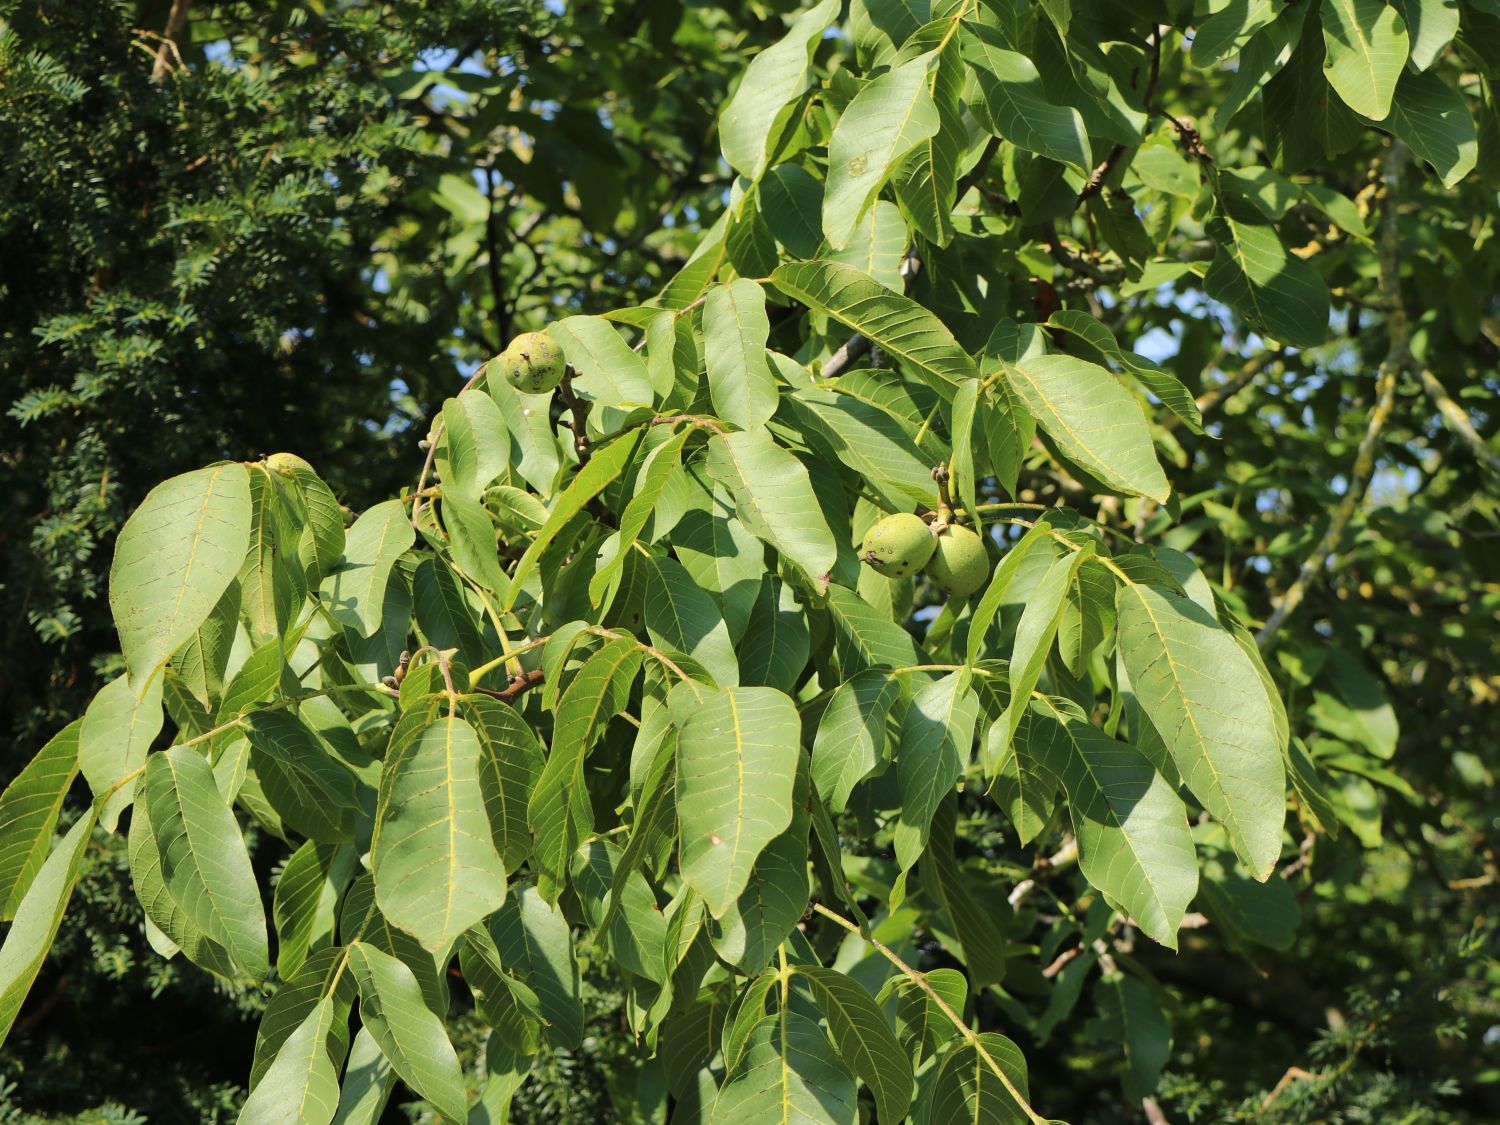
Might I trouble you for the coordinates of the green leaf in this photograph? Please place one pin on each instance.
(510, 761)
(174, 558)
(1434, 119)
(610, 374)
(28, 814)
(118, 729)
(354, 593)
(888, 118)
(1093, 419)
(864, 637)
(678, 614)
(368, 1079)
(637, 935)
(471, 542)
(1133, 839)
(1163, 384)
(1228, 29)
(921, 1025)
(1019, 782)
(435, 865)
(788, 1074)
(603, 468)
(1432, 24)
(722, 555)
(1256, 275)
(323, 977)
(936, 735)
(737, 752)
(533, 442)
(651, 482)
(748, 124)
(410, 1036)
(851, 735)
(1014, 105)
(773, 901)
(308, 786)
(926, 182)
(1367, 47)
(301, 1085)
(37, 918)
(560, 811)
(1305, 121)
(774, 499)
(1204, 696)
(1035, 633)
(306, 900)
(445, 616)
(967, 1089)
(981, 943)
(735, 329)
(877, 246)
(1357, 710)
(865, 1040)
(271, 579)
(535, 945)
(169, 930)
(204, 861)
(477, 443)
(1129, 1015)
(776, 643)
(872, 442)
(894, 322)
(202, 662)
(1249, 912)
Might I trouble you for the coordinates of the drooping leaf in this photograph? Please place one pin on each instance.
(780, 73)
(535, 944)
(1129, 1015)
(678, 614)
(174, 558)
(354, 592)
(204, 861)
(1367, 47)
(28, 814)
(888, 118)
(937, 733)
(37, 918)
(1132, 829)
(434, 859)
(1255, 274)
(735, 329)
(737, 754)
(1203, 695)
(308, 786)
(788, 1074)
(773, 497)
(1014, 105)
(409, 1035)
(851, 734)
(1433, 118)
(968, 1089)
(864, 1038)
(1093, 420)
(301, 1085)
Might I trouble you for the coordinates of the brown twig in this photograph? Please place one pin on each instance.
(580, 412)
(519, 686)
(169, 49)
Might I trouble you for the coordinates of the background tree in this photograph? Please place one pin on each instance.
(1260, 204)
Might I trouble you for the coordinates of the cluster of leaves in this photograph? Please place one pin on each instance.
(617, 688)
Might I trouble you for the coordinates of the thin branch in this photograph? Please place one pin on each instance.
(492, 247)
(1457, 420)
(170, 41)
(920, 980)
(519, 686)
(1397, 356)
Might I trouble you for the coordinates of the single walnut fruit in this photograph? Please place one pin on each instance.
(898, 545)
(533, 363)
(960, 565)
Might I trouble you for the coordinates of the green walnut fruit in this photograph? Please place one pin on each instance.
(533, 363)
(960, 565)
(898, 545)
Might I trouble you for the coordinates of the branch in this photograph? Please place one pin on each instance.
(1457, 420)
(169, 49)
(920, 980)
(492, 246)
(519, 686)
(1397, 356)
